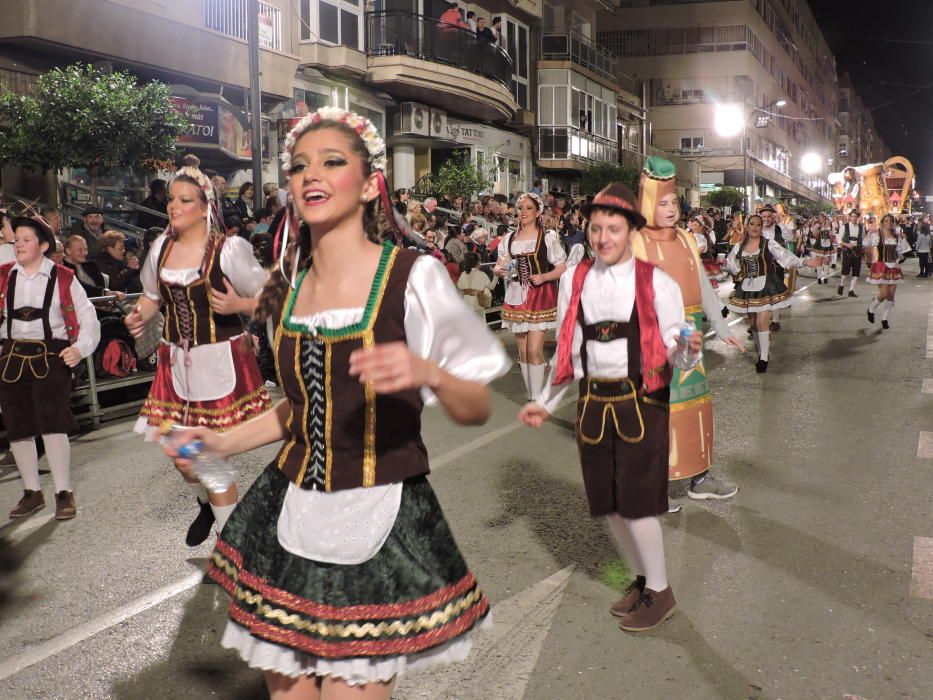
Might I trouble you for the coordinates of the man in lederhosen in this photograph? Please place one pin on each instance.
(851, 240)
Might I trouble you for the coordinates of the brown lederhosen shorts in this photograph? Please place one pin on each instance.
(623, 442)
(35, 389)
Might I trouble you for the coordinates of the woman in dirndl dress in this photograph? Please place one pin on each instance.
(341, 566)
(820, 243)
(886, 249)
(207, 374)
(531, 260)
(758, 266)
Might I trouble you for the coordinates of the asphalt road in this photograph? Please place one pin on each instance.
(816, 581)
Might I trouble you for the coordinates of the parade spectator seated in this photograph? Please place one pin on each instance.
(122, 270)
(453, 269)
(58, 257)
(148, 239)
(272, 189)
(6, 242)
(430, 242)
(456, 243)
(263, 220)
(244, 201)
(225, 204)
(475, 285)
(157, 201)
(419, 224)
(234, 227)
(86, 271)
(273, 205)
(90, 228)
(53, 217)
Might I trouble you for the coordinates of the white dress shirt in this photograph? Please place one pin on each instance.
(30, 291)
(609, 295)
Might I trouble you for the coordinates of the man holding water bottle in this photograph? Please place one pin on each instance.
(621, 327)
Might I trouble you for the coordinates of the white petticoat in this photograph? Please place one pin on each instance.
(524, 327)
(267, 656)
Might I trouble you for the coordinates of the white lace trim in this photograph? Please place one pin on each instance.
(514, 327)
(267, 656)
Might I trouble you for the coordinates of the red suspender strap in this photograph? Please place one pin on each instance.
(656, 372)
(65, 276)
(564, 372)
(4, 279)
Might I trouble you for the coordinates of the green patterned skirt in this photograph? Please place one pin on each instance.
(413, 595)
(774, 295)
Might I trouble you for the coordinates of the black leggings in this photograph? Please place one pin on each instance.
(924, 263)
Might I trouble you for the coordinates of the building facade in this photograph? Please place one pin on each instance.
(766, 59)
(859, 142)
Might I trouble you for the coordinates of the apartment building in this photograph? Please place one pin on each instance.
(859, 142)
(765, 59)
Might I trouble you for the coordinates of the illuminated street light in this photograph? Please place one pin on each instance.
(780, 103)
(810, 163)
(729, 120)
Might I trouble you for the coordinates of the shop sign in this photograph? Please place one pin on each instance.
(465, 133)
(217, 124)
(203, 117)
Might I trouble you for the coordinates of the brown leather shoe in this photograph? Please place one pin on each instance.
(649, 611)
(65, 506)
(632, 593)
(28, 504)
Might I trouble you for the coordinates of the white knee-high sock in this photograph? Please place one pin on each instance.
(199, 491)
(536, 380)
(886, 306)
(824, 272)
(524, 368)
(832, 258)
(852, 283)
(27, 461)
(649, 538)
(620, 530)
(764, 344)
(875, 303)
(221, 514)
(58, 452)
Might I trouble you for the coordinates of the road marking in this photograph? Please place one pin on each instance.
(925, 445)
(504, 657)
(928, 386)
(930, 332)
(921, 575)
(78, 634)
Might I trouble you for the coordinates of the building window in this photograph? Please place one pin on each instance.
(230, 17)
(337, 22)
(691, 143)
(515, 40)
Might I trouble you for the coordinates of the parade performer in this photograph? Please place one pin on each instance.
(820, 246)
(772, 231)
(887, 249)
(672, 249)
(48, 326)
(341, 565)
(702, 230)
(531, 260)
(620, 320)
(207, 373)
(851, 239)
(758, 265)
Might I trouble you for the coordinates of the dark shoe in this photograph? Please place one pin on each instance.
(725, 312)
(650, 610)
(839, 290)
(833, 266)
(201, 527)
(774, 327)
(853, 295)
(871, 317)
(885, 325)
(28, 504)
(622, 606)
(65, 506)
(761, 366)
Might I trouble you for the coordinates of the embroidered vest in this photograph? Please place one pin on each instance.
(887, 252)
(341, 434)
(63, 278)
(538, 260)
(847, 237)
(655, 369)
(188, 312)
(763, 263)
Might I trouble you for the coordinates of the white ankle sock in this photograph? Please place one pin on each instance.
(875, 303)
(199, 491)
(649, 538)
(536, 380)
(620, 530)
(58, 452)
(27, 462)
(764, 341)
(886, 306)
(221, 514)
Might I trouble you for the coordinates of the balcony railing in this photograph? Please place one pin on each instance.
(570, 143)
(570, 45)
(399, 33)
(231, 17)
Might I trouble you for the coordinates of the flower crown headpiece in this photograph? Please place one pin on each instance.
(535, 197)
(360, 124)
(195, 174)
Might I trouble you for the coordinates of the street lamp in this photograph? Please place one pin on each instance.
(729, 121)
(810, 163)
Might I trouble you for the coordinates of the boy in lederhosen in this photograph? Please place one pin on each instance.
(620, 321)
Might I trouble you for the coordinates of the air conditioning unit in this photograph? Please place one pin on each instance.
(415, 119)
(438, 124)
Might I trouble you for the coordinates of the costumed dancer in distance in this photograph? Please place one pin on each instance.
(531, 260)
(887, 249)
(701, 226)
(820, 246)
(758, 266)
(207, 373)
(773, 231)
(48, 326)
(341, 565)
(620, 324)
(674, 250)
(851, 239)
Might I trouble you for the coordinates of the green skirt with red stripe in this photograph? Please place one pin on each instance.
(414, 595)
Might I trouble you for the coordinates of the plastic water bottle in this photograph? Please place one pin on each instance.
(216, 474)
(686, 358)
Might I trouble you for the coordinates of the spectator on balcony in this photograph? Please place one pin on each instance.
(122, 271)
(244, 201)
(496, 29)
(452, 18)
(483, 32)
(471, 21)
(157, 202)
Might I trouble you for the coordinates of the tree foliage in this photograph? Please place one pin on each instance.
(597, 176)
(79, 117)
(458, 177)
(729, 197)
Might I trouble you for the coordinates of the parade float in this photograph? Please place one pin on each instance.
(876, 188)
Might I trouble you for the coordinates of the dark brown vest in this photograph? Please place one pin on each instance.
(341, 434)
(539, 260)
(188, 312)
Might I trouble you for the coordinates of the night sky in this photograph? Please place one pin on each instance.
(887, 49)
